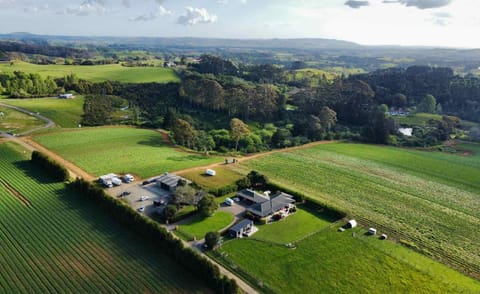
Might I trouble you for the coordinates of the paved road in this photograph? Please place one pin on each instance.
(48, 122)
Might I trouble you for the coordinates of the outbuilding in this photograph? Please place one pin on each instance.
(210, 172)
(240, 229)
(351, 224)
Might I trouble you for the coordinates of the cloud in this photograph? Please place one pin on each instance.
(421, 4)
(222, 2)
(161, 11)
(194, 16)
(36, 8)
(87, 7)
(441, 18)
(7, 3)
(356, 4)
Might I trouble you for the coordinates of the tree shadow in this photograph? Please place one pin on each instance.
(153, 141)
(186, 158)
(34, 172)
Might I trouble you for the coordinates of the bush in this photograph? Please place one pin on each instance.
(211, 239)
(160, 237)
(218, 192)
(170, 212)
(58, 171)
(207, 205)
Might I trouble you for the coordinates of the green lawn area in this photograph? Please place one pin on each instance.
(63, 243)
(199, 225)
(225, 176)
(121, 150)
(428, 198)
(17, 122)
(416, 119)
(97, 73)
(294, 227)
(333, 262)
(64, 112)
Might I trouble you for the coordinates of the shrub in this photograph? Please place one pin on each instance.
(211, 239)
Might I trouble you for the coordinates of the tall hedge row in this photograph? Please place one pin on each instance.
(153, 232)
(56, 170)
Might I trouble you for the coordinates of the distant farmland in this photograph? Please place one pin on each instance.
(97, 73)
(431, 200)
(54, 241)
(120, 149)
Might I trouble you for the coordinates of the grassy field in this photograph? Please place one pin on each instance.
(121, 150)
(64, 112)
(224, 176)
(416, 119)
(16, 122)
(333, 262)
(428, 198)
(294, 227)
(97, 73)
(60, 243)
(198, 225)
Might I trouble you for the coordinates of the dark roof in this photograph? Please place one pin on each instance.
(252, 196)
(276, 202)
(170, 180)
(241, 225)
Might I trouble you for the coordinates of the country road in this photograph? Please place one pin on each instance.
(48, 122)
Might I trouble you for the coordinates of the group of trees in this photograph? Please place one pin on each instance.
(20, 84)
(56, 170)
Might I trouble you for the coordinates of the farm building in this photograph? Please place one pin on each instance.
(66, 96)
(243, 228)
(169, 182)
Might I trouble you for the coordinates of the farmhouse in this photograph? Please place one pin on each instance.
(243, 228)
(169, 182)
(264, 206)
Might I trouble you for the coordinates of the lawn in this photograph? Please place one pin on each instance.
(97, 73)
(61, 243)
(296, 226)
(428, 198)
(416, 119)
(333, 262)
(225, 176)
(121, 150)
(199, 225)
(17, 122)
(64, 112)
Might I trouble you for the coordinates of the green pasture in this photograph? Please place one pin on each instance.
(97, 73)
(64, 112)
(197, 226)
(61, 243)
(416, 119)
(121, 150)
(17, 122)
(224, 176)
(348, 262)
(428, 198)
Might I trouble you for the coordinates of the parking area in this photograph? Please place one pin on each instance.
(136, 192)
(237, 209)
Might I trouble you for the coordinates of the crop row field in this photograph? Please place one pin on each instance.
(54, 241)
(430, 199)
(66, 113)
(97, 73)
(121, 150)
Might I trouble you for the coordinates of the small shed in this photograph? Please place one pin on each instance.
(241, 228)
(351, 224)
(372, 231)
(210, 172)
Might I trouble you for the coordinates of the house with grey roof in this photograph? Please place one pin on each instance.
(264, 206)
(252, 196)
(243, 228)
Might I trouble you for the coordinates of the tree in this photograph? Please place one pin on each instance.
(328, 118)
(238, 129)
(169, 212)
(399, 100)
(207, 205)
(184, 195)
(211, 239)
(257, 179)
(184, 133)
(427, 104)
(204, 142)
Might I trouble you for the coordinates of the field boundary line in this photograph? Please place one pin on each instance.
(16, 194)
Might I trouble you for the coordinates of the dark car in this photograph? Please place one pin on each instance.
(124, 193)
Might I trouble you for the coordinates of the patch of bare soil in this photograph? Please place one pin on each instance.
(15, 193)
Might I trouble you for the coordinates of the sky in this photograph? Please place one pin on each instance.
(445, 23)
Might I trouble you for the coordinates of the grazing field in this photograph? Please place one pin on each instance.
(224, 176)
(333, 262)
(198, 225)
(430, 199)
(121, 150)
(54, 241)
(17, 122)
(64, 112)
(416, 119)
(97, 73)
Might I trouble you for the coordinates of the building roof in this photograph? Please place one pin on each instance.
(241, 225)
(252, 196)
(170, 180)
(274, 204)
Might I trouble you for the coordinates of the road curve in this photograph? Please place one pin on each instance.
(48, 122)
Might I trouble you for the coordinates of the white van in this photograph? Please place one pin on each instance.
(116, 181)
(229, 202)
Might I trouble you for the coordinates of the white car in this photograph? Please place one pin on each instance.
(141, 209)
(143, 198)
(236, 199)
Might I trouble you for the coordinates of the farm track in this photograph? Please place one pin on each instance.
(472, 270)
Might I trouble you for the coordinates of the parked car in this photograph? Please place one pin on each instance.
(236, 199)
(229, 202)
(124, 193)
(143, 198)
(128, 178)
(141, 209)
